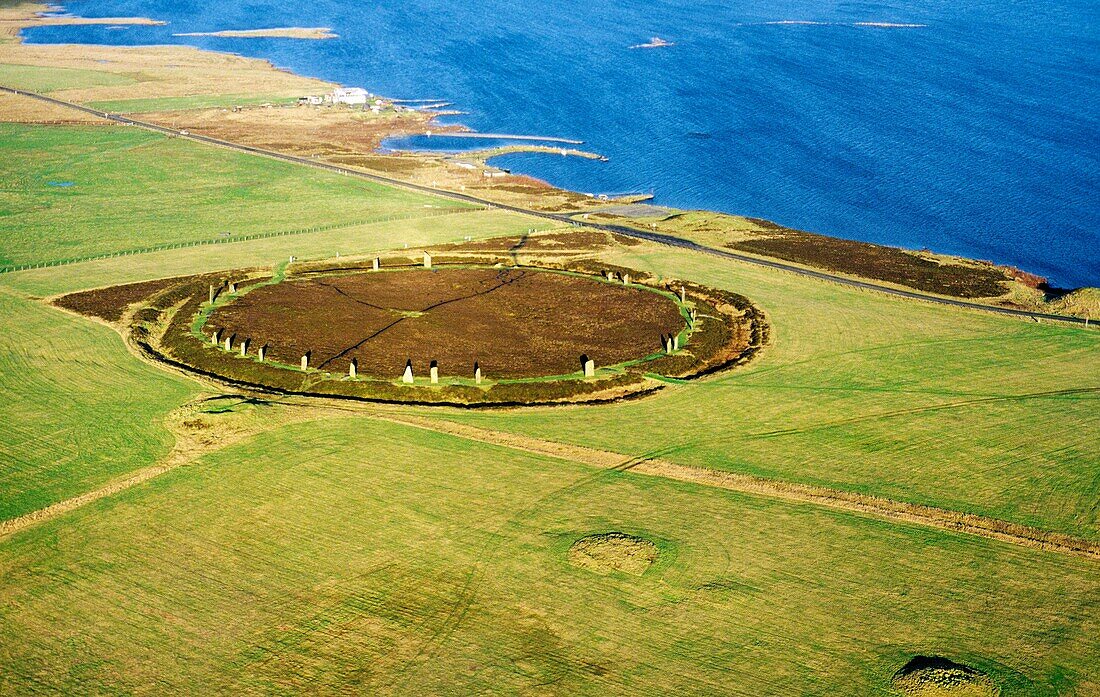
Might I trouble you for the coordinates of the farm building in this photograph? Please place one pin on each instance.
(350, 95)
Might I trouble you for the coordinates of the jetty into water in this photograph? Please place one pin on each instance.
(507, 136)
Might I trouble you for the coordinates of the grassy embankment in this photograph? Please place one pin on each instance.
(353, 555)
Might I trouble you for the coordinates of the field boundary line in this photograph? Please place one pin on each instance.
(656, 237)
(167, 246)
(890, 509)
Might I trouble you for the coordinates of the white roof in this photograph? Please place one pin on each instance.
(350, 91)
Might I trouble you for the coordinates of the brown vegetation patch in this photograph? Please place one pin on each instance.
(514, 322)
(882, 263)
(934, 676)
(110, 303)
(16, 108)
(606, 552)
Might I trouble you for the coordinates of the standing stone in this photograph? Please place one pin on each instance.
(262, 353)
(626, 279)
(353, 368)
(611, 275)
(232, 286)
(590, 368)
(244, 347)
(407, 377)
(668, 343)
(477, 373)
(305, 361)
(213, 294)
(683, 294)
(693, 315)
(675, 342)
(427, 260)
(291, 258)
(376, 264)
(229, 343)
(433, 371)
(215, 337)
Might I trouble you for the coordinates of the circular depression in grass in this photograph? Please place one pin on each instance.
(515, 323)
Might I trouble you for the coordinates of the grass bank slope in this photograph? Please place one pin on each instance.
(351, 555)
(77, 192)
(77, 408)
(876, 395)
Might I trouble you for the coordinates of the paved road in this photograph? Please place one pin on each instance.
(659, 238)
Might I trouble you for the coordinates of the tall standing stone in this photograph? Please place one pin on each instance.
(262, 353)
(611, 275)
(216, 337)
(376, 264)
(232, 286)
(213, 293)
(626, 279)
(683, 294)
(244, 347)
(668, 343)
(675, 342)
(353, 368)
(229, 343)
(427, 260)
(407, 377)
(305, 361)
(588, 366)
(433, 372)
(477, 373)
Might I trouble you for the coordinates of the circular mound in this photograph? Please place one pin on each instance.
(935, 676)
(613, 551)
(514, 323)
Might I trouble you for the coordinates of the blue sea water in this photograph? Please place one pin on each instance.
(974, 129)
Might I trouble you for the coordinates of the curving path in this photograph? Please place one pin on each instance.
(659, 238)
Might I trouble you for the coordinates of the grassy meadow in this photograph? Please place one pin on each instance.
(77, 409)
(356, 555)
(334, 552)
(77, 192)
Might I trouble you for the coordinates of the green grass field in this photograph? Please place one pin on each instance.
(357, 555)
(77, 409)
(38, 78)
(71, 193)
(135, 106)
(337, 553)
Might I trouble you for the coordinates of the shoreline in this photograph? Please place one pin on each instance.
(408, 158)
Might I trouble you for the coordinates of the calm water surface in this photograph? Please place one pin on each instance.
(974, 130)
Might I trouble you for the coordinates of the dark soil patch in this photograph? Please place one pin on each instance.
(935, 676)
(512, 322)
(874, 261)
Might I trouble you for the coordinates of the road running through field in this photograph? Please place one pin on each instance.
(659, 238)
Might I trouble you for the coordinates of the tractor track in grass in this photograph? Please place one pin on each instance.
(659, 238)
(651, 464)
(648, 464)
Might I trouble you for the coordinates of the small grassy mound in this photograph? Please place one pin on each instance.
(934, 676)
(613, 551)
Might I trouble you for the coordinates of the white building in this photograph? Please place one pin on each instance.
(350, 95)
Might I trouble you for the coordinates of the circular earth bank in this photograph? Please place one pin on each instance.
(516, 323)
(613, 551)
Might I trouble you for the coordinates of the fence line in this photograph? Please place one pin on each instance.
(227, 240)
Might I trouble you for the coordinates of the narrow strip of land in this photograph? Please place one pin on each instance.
(656, 237)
